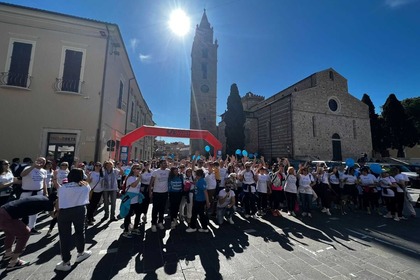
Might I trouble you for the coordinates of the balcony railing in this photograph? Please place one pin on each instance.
(68, 85)
(15, 79)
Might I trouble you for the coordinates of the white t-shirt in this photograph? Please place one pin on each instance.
(262, 182)
(334, 180)
(146, 177)
(223, 176)
(211, 181)
(368, 179)
(290, 184)
(161, 180)
(349, 179)
(34, 181)
(5, 179)
(305, 183)
(223, 193)
(96, 182)
(72, 195)
(248, 177)
(61, 175)
(399, 178)
(135, 189)
(385, 182)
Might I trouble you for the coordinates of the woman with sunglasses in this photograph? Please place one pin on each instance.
(60, 175)
(6, 181)
(95, 180)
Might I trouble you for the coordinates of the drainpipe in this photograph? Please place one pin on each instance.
(101, 106)
(128, 102)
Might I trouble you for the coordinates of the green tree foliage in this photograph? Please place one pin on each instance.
(412, 109)
(400, 130)
(235, 121)
(379, 143)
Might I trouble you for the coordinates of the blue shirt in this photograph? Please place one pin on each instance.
(200, 187)
(175, 184)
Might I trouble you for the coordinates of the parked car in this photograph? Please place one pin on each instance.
(413, 176)
(328, 163)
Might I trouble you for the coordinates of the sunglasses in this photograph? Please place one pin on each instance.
(136, 168)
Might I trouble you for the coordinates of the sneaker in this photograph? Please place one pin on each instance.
(83, 256)
(304, 214)
(324, 210)
(90, 223)
(35, 231)
(161, 226)
(15, 265)
(403, 218)
(113, 219)
(144, 219)
(396, 219)
(62, 266)
(231, 221)
(289, 213)
(49, 232)
(173, 224)
(388, 216)
(136, 231)
(127, 234)
(328, 212)
(191, 230)
(203, 230)
(309, 215)
(154, 229)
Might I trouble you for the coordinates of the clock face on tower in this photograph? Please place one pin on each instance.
(204, 88)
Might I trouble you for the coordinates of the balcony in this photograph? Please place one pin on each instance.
(11, 79)
(69, 86)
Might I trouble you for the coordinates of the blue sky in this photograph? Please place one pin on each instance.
(264, 46)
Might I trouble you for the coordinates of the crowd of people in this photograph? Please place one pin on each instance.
(194, 191)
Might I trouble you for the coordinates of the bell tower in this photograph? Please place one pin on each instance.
(203, 82)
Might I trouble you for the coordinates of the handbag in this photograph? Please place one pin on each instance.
(91, 190)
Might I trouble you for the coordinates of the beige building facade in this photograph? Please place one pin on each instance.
(316, 118)
(67, 88)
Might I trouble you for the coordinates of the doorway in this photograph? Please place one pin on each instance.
(336, 145)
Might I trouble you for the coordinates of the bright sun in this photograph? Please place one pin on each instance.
(179, 22)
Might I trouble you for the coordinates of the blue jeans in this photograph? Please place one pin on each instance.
(306, 200)
(224, 212)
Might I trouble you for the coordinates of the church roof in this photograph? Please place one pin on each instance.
(204, 23)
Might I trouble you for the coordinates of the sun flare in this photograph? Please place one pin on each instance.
(179, 22)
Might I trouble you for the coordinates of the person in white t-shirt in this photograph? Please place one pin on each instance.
(401, 180)
(368, 182)
(225, 205)
(95, 180)
(263, 189)
(159, 193)
(34, 183)
(248, 179)
(146, 177)
(306, 182)
(133, 184)
(72, 200)
(6, 181)
(290, 191)
(389, 186)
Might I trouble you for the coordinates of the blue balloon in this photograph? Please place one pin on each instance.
(127, 171)
(376, 168)
(349, 162)
(193, 157)
(251, 155)
(238, 151)
(207, 148)
(198, 157)
(244, 153)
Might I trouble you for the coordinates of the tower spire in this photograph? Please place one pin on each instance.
(204, 21)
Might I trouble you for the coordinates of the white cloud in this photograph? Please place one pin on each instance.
(133, 44)
(398, 3)
(145, 58)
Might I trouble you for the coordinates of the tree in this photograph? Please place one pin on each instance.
(376, 127)
(235, 122)
(400, 130)
(412, 109)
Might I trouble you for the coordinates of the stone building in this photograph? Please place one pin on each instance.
(203, 82)
(314, 118)
(68, 87)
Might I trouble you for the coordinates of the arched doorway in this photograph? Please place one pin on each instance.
(146, 130)
(336, 146)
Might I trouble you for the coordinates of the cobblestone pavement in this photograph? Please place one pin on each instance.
(353, 246)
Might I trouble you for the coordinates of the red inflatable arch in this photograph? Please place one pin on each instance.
(146, 130)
